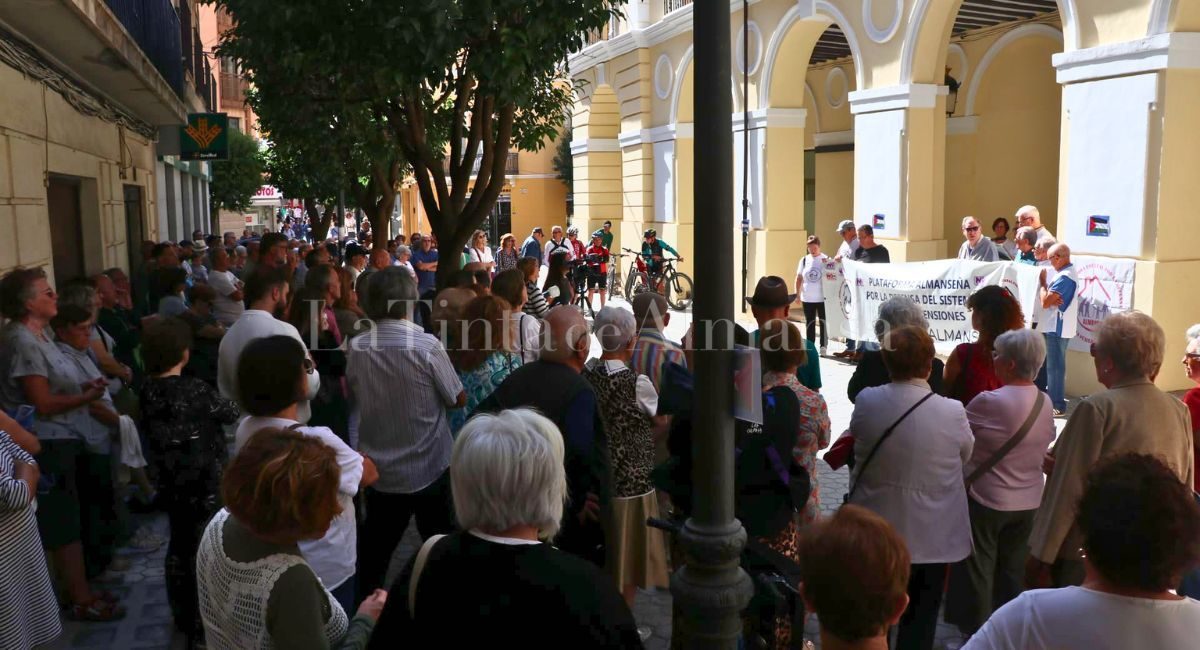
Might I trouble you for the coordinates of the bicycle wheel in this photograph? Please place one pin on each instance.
(614, 282)
(679, 291)
(636, 283)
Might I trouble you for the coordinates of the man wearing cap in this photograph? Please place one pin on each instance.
(849, 246)
(558, 246)
(356, 261)
(533, 244)
(976, 247)
(771, 301)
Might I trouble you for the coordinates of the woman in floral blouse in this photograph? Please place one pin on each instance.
(783, 352)
(506, 257)
(484, 358)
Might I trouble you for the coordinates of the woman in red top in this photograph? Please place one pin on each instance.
(969, 370)
(1191, 366)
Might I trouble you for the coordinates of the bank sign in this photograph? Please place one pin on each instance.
(204, 137)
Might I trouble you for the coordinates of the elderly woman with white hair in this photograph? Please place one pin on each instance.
(894, 313)
(497, 581)
(1132, 415)
(628, 407)
(1013, 426)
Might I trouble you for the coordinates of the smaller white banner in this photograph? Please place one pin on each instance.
(1105, 287)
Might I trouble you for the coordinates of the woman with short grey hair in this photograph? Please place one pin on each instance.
(894, 313)
(628, 405)
(1132, 415)
(509, 487)
(1013, 426)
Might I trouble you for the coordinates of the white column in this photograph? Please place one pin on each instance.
(899, 162)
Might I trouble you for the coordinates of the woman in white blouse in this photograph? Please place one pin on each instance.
(1141, 530)
(913, 478)
(479, 251)
(1003, 491)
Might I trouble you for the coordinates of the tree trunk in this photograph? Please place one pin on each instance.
(320, 222)
(380, 215)
(451, 242)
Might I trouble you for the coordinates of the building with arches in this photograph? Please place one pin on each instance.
(1081, 108)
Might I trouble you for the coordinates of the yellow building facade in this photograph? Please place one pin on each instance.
(89, 123)
(533, 195)
(1081, 107)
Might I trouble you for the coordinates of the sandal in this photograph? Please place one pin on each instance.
(106, 596)
(98, 611)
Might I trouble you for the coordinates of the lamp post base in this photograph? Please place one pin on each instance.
(711, 588)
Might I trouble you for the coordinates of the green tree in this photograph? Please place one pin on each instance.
(444, 87)
(564, 162)
(234, 181)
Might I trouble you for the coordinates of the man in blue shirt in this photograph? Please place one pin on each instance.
(1058, 320)
(533, 244)
(425, 263)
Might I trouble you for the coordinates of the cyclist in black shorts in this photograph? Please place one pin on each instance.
(652, 253)
(596, 256)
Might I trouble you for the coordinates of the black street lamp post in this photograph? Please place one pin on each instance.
(711, 589)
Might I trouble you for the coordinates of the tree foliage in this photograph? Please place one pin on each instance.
(443, 87)
(564, 162)
(234, 181)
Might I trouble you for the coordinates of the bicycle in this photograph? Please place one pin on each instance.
(676, 287)
(580, 273)
(615, 289)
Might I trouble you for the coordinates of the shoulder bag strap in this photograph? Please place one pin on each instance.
(418, 567)
(863, 467)
(1010, 443)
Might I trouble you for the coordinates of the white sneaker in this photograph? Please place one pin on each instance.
(644, 633)
(824, 351)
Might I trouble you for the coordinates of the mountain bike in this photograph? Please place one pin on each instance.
(676, 287)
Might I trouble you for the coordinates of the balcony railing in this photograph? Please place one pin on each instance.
(672, 5)
(154, 25)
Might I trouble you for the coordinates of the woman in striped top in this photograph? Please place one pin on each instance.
(535, 302)
(28, 609)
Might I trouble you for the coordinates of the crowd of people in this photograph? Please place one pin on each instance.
(292, 407)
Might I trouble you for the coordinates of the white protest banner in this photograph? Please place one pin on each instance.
(1105, 287)
(940, 287)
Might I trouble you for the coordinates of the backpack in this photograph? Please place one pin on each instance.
(770, 488)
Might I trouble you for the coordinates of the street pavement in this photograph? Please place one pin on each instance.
(148, 624)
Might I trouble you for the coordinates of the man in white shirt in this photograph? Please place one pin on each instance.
(557, 246)
(228, 307)
(267, 292)
(811, 291)
(850, 244)
(1029, 216)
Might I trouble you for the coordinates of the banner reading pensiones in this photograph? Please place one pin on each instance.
(940, 287)
(1105, 288)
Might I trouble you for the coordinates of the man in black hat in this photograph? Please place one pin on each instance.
(771, 301)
